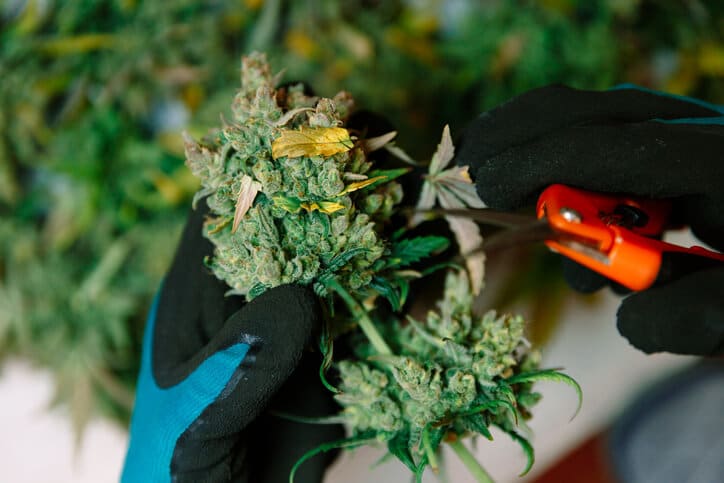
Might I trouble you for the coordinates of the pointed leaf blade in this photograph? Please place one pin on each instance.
(444, 154)
(549, 375)
(527, 449)
(411, 250)
(247, 192)
(378, 142)
(347, 443)
(398, 446)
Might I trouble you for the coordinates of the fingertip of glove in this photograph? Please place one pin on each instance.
(682, 317)
(501, 189)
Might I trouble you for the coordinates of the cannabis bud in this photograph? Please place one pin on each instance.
(294, 198)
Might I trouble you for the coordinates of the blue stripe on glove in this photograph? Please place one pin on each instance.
(160, 416)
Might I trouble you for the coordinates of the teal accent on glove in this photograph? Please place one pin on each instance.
(160, 416)
(716, 120)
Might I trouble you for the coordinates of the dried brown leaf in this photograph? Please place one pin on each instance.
(247, 192)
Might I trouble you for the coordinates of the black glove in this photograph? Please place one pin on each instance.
(620, 141)
(211, 365)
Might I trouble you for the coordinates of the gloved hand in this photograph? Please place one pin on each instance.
(625, 140)
(210, 367)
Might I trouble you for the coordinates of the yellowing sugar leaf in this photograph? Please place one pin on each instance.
(330, 207)
(292, 205)
(327, 207)
(247, 192)
(358, 185)
(311, 141)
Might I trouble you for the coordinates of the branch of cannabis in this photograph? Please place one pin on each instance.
(294, 198)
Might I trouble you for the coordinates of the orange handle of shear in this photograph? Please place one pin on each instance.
(611, 235)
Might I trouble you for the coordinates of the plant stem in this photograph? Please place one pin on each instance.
(481, 476)
(431, 458)
(364, 321)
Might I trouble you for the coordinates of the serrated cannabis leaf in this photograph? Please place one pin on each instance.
(311, 141)
(452, 188)
(412, 250)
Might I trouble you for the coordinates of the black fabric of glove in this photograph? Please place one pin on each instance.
(234, 440)
(613, 142)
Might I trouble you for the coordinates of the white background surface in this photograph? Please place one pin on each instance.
(37, 445)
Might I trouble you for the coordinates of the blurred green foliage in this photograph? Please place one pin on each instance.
(94, 94)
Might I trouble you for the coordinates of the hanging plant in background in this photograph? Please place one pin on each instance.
(93, 189)
(294, 198)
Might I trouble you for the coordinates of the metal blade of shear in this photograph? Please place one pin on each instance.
(537, 231)
(488, 217)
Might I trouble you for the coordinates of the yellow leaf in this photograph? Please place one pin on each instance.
(292, 205)
(327, 207)
(358, 185)
(311, 141)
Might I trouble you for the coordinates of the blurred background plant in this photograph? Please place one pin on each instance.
(94, 94)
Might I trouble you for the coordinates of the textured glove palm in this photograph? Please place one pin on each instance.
(625, 140)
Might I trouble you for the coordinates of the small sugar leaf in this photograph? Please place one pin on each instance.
(549, 375)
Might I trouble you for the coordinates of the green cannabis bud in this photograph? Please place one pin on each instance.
(294, 198)
(306, 192)
(452, 375)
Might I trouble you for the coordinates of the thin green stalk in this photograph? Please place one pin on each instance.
(481, 476)
(364, 321)
(429, 451)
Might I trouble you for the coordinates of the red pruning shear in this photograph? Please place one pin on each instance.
(609, 234)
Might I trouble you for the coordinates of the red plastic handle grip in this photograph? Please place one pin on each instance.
(594, 232)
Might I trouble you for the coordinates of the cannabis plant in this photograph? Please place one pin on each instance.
(294, 198)
(93, 95)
